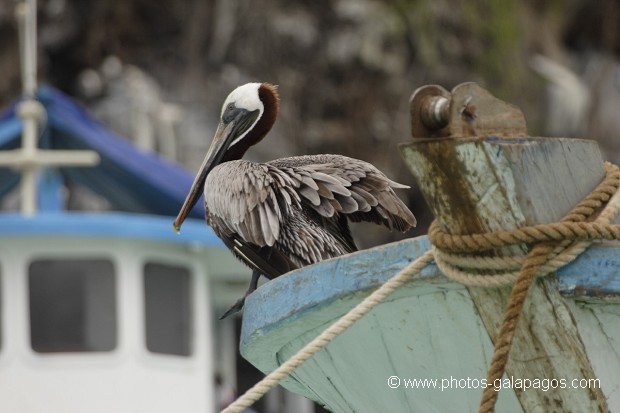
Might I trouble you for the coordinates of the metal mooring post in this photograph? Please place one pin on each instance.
(479, 171)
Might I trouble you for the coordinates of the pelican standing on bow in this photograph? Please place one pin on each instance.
(287, 213)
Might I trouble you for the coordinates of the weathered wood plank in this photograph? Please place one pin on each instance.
(598, 326)
(488, 184)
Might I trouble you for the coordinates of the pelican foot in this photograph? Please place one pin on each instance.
(235, 308)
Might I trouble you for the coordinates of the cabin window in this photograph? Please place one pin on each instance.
(72, 305)
(167, 309)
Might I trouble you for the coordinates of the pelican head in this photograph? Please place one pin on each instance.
(248, 114)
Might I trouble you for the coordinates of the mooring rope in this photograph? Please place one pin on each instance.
(575, 235)
(554, 245)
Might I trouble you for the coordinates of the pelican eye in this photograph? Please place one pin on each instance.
(230, 112)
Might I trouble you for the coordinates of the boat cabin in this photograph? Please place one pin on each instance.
(107, 310)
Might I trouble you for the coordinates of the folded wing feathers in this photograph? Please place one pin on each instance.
(310, 194)
(267, 220)
(356, 188)
(326, 208)
(324, 191)
(260, 201)
(335, 185)
(366, 194)
(362, 204)
(348, 204)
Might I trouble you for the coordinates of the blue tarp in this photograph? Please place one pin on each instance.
(132, 180)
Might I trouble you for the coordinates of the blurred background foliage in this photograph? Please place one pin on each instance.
(345, 68)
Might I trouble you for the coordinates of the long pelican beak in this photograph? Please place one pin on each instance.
(219, 145)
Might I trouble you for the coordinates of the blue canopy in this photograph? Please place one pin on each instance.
(132, 180)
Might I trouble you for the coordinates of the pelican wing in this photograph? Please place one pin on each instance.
(334, 184)
(281, 200)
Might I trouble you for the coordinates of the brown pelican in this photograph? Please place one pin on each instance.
(291, 212)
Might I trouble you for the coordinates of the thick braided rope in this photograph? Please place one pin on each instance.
(333, 331)
(487, 271)
(536, 258)
(503, 343)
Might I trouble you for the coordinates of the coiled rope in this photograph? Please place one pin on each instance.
(554, 245)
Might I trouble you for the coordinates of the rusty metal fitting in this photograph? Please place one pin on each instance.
(467, 111)
(435, 112)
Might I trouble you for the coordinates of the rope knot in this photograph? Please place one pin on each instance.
(494, 259)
